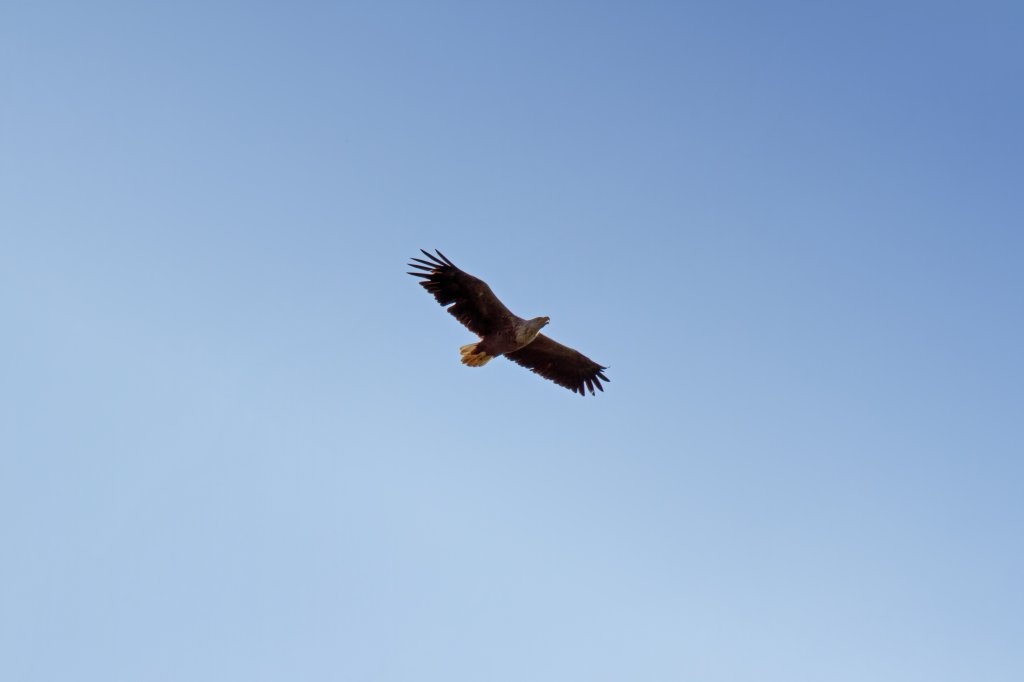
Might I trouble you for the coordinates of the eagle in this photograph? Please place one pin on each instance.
(500, 331)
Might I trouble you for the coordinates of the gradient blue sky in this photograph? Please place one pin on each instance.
(236, 440)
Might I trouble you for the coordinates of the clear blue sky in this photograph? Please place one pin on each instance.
(235, 439)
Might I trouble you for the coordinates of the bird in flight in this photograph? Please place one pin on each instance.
(501, 332)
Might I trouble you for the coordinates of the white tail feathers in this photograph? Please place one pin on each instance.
(472, 358)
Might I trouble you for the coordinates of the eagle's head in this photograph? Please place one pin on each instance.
(528, 332)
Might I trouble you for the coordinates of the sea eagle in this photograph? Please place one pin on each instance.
(500, 331)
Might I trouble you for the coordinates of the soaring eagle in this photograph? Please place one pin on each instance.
(500, 331)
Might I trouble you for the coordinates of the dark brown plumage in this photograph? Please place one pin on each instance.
(501, 332)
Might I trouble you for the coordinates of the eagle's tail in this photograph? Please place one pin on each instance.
(473, 358)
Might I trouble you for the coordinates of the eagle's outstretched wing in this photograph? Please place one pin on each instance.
(561, 364)
(476, 306)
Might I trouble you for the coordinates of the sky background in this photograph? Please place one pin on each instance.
(235, 439)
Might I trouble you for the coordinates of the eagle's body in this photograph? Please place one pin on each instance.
(511, 334)
(501, 332)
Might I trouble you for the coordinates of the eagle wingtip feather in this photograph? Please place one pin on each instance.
(444, 258)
